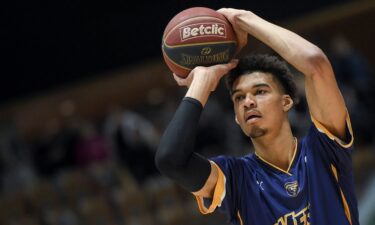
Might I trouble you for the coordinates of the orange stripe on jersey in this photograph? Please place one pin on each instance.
(239, 217)
(219, 193)
(344, 202)
(290, 163)
(324, 130)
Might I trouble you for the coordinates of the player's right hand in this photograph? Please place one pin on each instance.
(183, 81)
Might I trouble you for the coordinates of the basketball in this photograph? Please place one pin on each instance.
(197, 36)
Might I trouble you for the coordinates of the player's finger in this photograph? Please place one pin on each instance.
(224, 68)
(233, 63)
(180, 81)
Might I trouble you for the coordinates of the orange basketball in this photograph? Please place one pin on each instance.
(197, 36)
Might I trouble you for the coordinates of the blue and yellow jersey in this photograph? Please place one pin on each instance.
(317, 189)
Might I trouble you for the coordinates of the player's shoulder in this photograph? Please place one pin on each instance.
(236, 159)
(312, 135)
(309, 138)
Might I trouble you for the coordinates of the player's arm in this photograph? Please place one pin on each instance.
(175, 156)
(325, 101)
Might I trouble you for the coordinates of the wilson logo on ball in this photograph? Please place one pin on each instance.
(202, 29)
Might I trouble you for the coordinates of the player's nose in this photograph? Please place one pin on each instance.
(250, 102)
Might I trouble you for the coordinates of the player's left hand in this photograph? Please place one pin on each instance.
(232, 15)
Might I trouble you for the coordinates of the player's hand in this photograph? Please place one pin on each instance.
(183, 81)
(232, 15)
(206, 77)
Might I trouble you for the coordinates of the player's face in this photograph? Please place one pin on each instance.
(259, 103)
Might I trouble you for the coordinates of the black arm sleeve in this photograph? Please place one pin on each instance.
(175, 157)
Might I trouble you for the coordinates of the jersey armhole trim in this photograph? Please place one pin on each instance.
(239, 217)
(344, 201)
(219, 193)
(325, 131)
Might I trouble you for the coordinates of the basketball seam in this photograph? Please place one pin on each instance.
(173, 62)
(195, 44)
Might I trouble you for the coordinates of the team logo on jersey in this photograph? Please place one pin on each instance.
(292, 188)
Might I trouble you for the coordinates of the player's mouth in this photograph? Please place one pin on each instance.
(252, 116)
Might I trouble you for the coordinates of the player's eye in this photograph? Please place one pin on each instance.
(239, 98)
(260, 92)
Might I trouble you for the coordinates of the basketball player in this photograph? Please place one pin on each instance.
(286, 181)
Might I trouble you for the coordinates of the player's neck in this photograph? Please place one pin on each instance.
(277, 149)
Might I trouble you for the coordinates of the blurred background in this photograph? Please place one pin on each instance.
(85, 96)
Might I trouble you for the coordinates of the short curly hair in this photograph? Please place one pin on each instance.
(267, 64)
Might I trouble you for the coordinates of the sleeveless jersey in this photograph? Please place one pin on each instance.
(316, 189)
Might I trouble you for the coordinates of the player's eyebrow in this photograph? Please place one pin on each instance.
(254, 86)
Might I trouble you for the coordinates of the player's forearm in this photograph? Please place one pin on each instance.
(303, 55)
(199, 90)
(175, 156)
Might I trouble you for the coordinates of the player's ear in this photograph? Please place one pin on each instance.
(235, 118)
(287, 103)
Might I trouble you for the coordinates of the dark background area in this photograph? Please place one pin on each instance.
(85, 97)
(48, 44)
